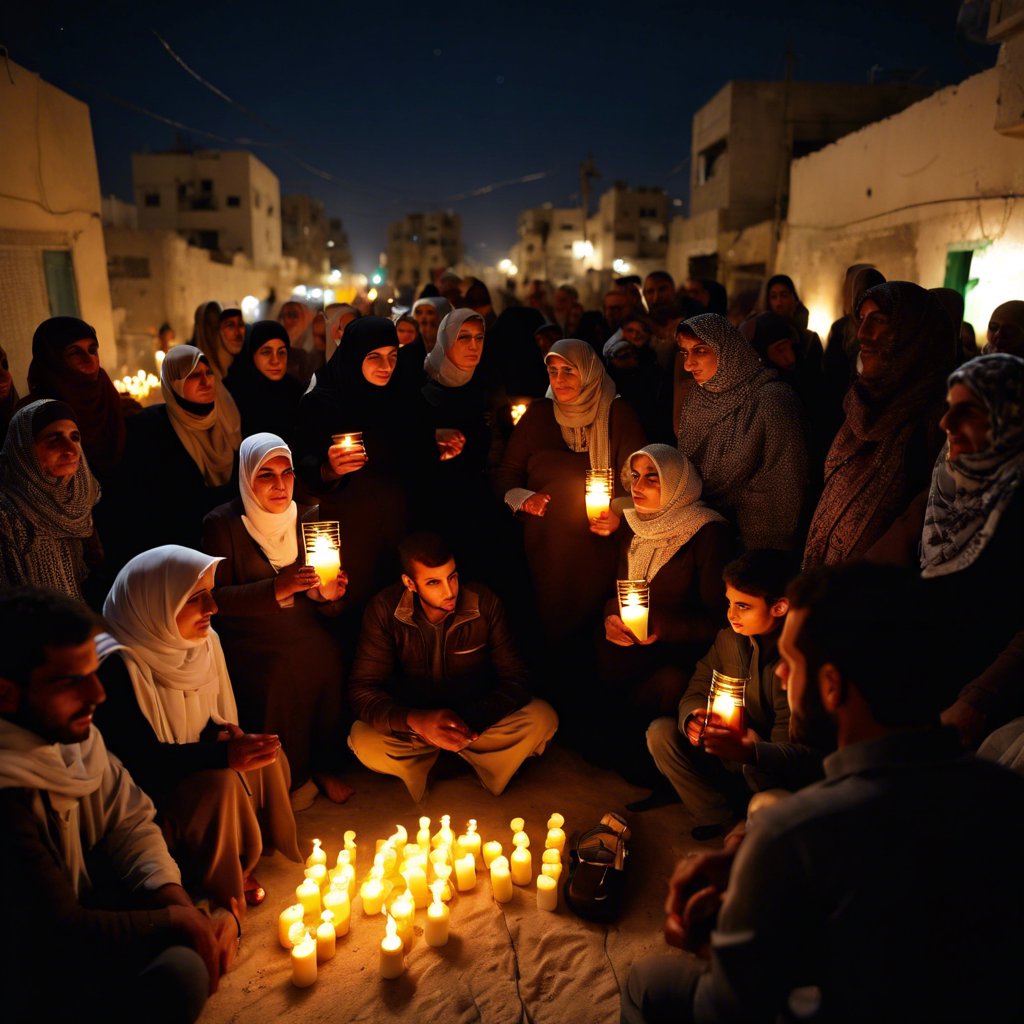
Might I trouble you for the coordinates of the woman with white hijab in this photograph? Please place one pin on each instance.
(179, 462)
(273, 619)
(580, 425)
(171, 717)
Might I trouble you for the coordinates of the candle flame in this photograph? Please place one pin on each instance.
(556, 820)
(517, 412)
(471, 827)
(392, 927)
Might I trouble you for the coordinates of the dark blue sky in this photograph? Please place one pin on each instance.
(407, 110)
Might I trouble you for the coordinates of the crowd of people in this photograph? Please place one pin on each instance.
(832, 532)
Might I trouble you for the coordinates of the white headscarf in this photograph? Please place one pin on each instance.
(657, 536)
(438, 365)
(584, 422)
(210, 438)
(273, 531)
(180, 684)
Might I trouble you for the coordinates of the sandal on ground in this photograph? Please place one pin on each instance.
(255, 894)
(597, 870)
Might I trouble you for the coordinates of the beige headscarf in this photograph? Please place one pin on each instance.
(210, 438)
(584, 422)
(274, 532)
(437, 365)
(657, 536)
(180, 684)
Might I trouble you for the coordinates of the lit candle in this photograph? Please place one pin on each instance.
(444, 872)
(318, 873)
(398, 840)
(598, 492)
(556, 836)
(547, 893)
(289, 916)
(442, 855)
(326, 559)
(392, 952)
(501, 880)
(337, 902)
(372, 893)
(423, 835)
(308, 894)
(403, 910)
(727, 712)
(348, 441)
(492, 849)
(465, 873)
(317, 856)
(634, 606)
(551, 864)
(304, 962)
(416, 879)
(517, 412)
(436, 931)
(350, 847)
(444, 836)
(326, 937)
(522, 861)
(469, 841)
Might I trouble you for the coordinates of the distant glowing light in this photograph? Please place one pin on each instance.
(582, 250)
(504, 265)
(300, 290)
(334, 276)
(372, 293)
(376, 279)
(329, 296)
(621, 267)
(250, 308)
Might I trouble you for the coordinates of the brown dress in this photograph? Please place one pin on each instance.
(285, 664)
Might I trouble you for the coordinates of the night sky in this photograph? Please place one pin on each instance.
(413, 106)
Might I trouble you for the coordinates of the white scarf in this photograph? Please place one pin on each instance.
(438, 364)
(211, 439)
(657, 536)
(274, 532)
(180, 684)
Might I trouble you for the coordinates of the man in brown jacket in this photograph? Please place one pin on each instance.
(436, 669)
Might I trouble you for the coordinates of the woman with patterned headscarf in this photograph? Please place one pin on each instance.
(741, 427)
(882, 457)
(580, 425)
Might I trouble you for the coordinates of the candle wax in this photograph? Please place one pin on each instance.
(635, 617)
(304, 962)
(289, 916)
(326, 938)
(338, 903)
(727, 712)
(436, 931)
(547, 893)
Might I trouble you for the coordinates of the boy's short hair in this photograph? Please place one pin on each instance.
(33, 619)
(764, 573)
(424, 548)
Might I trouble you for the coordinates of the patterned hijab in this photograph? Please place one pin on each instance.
(437, 365)
(584, 422)
(970, 493)
(657, 536)
(180, 684)
(209, 433)
(274, 532)
(50, 517)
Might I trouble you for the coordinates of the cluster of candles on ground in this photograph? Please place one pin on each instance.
(406, 876)
(138, 386)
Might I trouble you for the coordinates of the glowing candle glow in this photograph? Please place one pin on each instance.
(308, 894)
(522, 861)
(465, 873)
(392, 952)
(634, 605)
(318, 856)
(551, 864)
(444, 835)
(318, 872)
(469, 841)
(599, 490)
(350, 847)
(326, 937)
(444, 872)
(556, 836)
(289, 916)
(403, 910)
(348, 441)
(423, 835)
(501, 880)
(492, 849)
(436, 931)
(337, 902)
(322, 544)
(416, 879)
(372, 892)
(304, 962)
(726, 701)
(517, 410)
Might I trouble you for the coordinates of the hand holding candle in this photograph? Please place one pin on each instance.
(634, 606)
(322, 543)
(598, 493)
(347, 454)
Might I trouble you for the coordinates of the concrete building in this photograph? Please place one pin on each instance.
(337, 242)
(933, 195)
(743, 141)
(305, 231)
(420, 246)
(629, 232)
(549, 244)
(227, 202)
(52, 256)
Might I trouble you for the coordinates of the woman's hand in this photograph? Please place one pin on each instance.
(336, 590)
(450, 442)
(294, 579)
(342, 460)
(248, 752)
(617, 632)
(536, 504)
(605, 524)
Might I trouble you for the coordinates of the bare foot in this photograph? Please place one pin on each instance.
(333, 787)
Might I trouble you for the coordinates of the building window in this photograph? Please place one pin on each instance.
(60, 282)
(270, 211)
(709, 161)
(152, 199)
(206, 184)
(234, 201)
(257, 200)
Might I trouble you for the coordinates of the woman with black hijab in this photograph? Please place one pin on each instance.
(376, 489)
(265, 393)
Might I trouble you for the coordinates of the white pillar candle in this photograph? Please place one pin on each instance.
(317, 856)
(350, 847)
(444, 872)
(304, 962)
(442, 855)
(308, 894)
(598, 497)
(392, 953)
(337, 902)
(416, 879)
(444, 835)
(465, 873)
(326, 559)
(436, 931)
(501, 880)
(547, 893)
(728, 711)
(372, 893)
(318, 872)
(326, 938)
(423, 835)
(635, 617)
(522, 861)
(551, 870)
(469, 841)
(403, 910)
(289, 916)
(556, 835)
(492, 849)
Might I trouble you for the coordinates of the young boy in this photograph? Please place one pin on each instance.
(701, 758)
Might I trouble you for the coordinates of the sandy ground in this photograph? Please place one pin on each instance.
(503, 963)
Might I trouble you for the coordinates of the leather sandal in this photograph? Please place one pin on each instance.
(597, 870)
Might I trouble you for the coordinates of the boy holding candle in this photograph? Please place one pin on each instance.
(707, 760)
(79, 836)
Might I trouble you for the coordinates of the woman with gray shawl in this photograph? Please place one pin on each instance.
(46, 501)
(742, 429)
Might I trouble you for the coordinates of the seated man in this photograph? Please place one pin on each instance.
(75, 825)
(707, 763)
(890, 891)
(436, 670)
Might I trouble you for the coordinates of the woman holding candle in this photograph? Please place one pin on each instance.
(46, 501)
(679, 546)
(171, 716)
(265, 393)
(273, 619)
